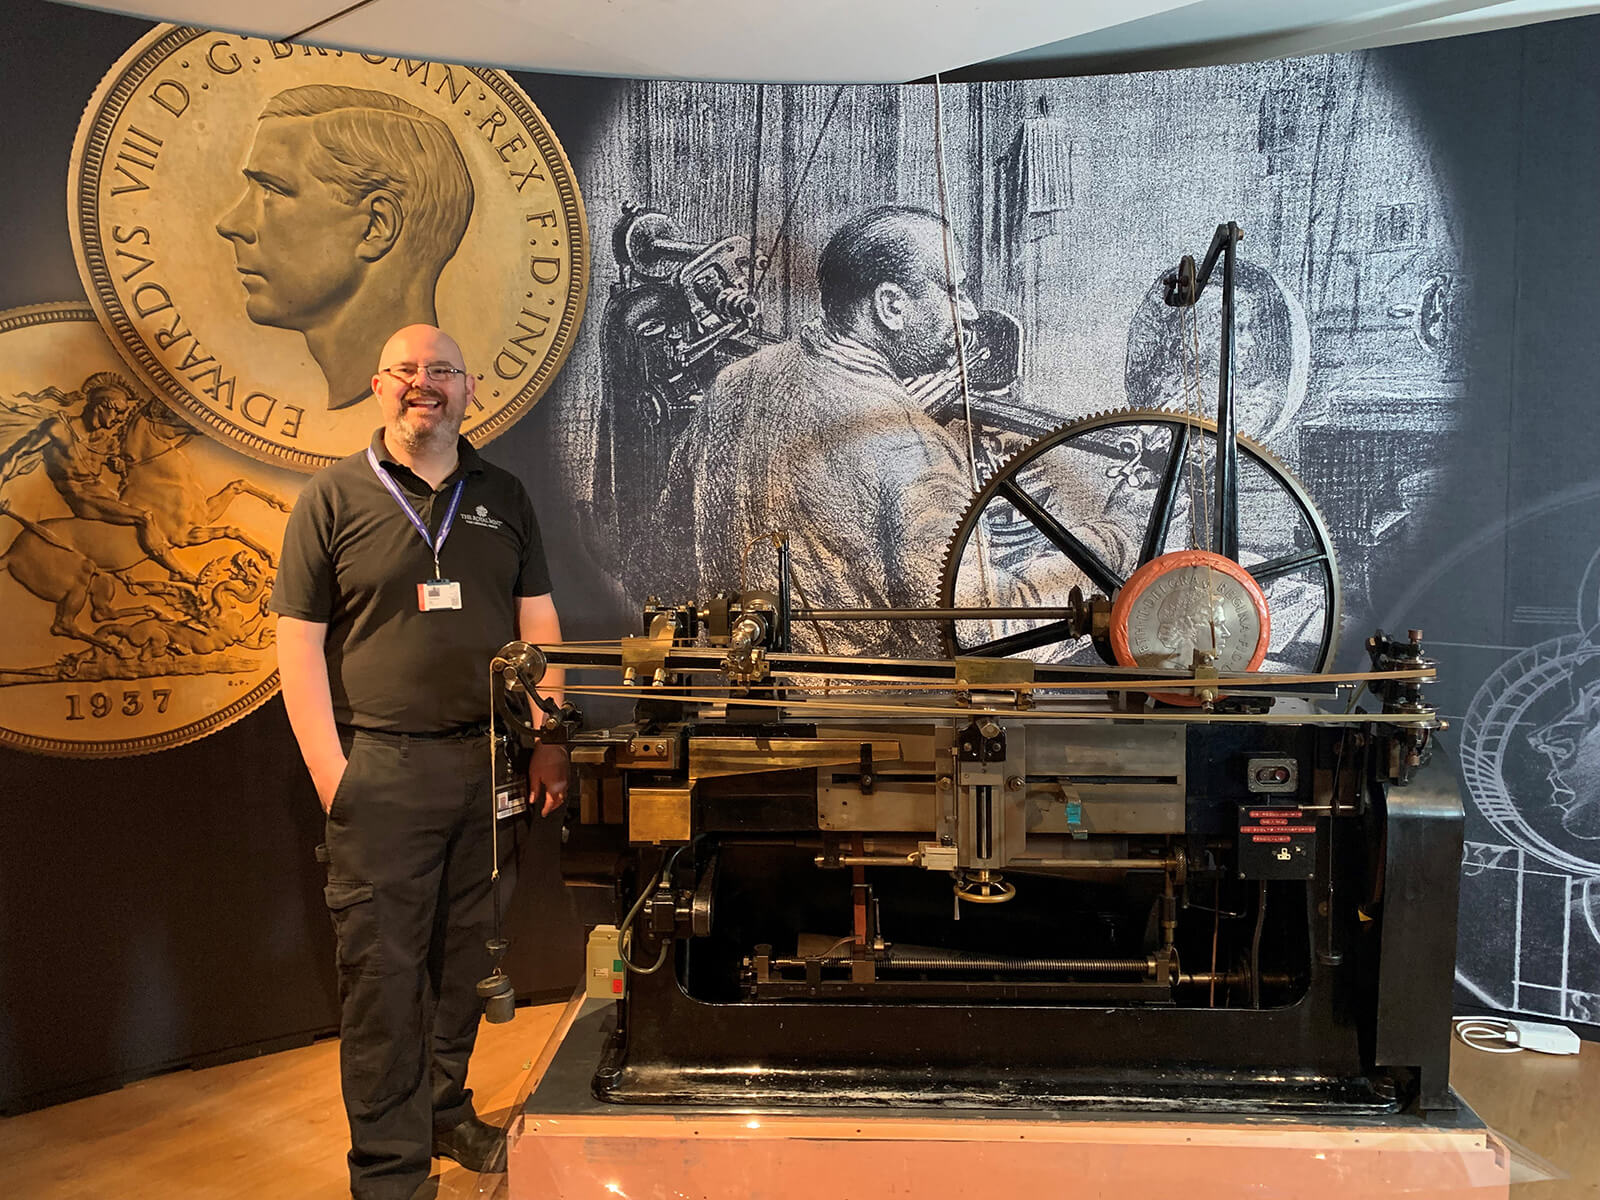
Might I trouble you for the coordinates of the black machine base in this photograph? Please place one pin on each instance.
(568, 1088)
(976, 1088)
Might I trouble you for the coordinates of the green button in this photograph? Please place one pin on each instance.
(616, 966)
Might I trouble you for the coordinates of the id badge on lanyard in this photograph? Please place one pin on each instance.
(437, 594)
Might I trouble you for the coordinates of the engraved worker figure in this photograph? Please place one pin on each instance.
(354, 201)
(819, 437)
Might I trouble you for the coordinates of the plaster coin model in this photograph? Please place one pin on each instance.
(252, 220)
(136, 556)
(1189, 602)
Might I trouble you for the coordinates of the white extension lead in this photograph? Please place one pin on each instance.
(1502, 1035)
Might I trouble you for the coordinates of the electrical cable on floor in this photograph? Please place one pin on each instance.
(1503, 1035)
(1492, 1035)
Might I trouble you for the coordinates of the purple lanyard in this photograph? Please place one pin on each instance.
(434, 544)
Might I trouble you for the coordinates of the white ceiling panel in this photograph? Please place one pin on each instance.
(800, 41)
(857, 41)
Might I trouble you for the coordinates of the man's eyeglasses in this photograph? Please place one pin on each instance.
(436, 372)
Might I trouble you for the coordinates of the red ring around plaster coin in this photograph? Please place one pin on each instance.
(1153, 570)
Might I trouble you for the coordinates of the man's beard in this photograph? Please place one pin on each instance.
(436, 437)
(921, 352)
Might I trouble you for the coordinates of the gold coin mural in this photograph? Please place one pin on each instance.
(253, 219)
(136, 556)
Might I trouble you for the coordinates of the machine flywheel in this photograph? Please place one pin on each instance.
(1087, 505)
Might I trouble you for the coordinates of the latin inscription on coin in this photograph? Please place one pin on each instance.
(136, 556)
(252, 220)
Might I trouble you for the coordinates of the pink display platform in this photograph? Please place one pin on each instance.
(568, 1146)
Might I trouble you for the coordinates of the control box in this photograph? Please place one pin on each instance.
(605, 978)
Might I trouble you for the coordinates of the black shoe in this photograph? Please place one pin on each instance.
(475, 1144)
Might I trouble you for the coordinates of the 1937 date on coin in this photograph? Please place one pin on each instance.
(136, 556)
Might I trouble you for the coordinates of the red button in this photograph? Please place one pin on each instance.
(616, 987)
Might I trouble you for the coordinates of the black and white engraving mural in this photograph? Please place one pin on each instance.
(746, 377)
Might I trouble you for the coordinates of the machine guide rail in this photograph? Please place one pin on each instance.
(963, 674)
(816, 706)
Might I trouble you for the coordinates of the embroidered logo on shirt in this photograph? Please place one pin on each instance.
(481, 518)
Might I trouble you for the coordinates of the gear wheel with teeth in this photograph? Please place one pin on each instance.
(1087, 505)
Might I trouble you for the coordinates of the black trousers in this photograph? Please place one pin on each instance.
(409, 853)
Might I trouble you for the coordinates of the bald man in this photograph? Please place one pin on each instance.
(405, 568)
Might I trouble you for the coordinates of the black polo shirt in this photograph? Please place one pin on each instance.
(352, 560)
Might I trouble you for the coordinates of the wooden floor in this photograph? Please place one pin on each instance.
(1548, 1105)
(273, 1128)
(269, 1128)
